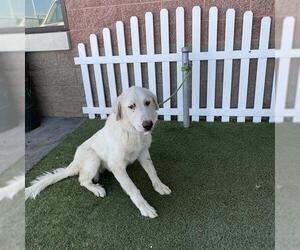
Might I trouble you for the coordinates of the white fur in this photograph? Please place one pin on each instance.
(120, 142)
(12, 188)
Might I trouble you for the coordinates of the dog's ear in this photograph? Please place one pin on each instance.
(117, 108)
(155, 102)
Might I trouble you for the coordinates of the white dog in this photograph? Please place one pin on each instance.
(125, 137)
(12, 188)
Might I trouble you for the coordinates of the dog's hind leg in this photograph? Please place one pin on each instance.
(88, 172)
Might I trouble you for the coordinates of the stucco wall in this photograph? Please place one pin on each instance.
(57, 81)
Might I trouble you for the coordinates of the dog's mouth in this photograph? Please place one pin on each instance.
(147, 132)
(143, 131)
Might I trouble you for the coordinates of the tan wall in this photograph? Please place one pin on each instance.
(58, 81)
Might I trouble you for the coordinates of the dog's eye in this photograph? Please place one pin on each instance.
(147, 103)
(132, 106)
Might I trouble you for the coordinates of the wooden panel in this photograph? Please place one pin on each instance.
(212, 47)
(202, 56)
(284, 68)
(297, 100)
(244, 69)
(110, 66)
(196, 41)
(227, 75)
(165, 50)
(261, 66)
(179, 45)
(98, 73)
(122, 52)
(135, 41)
(150, 51)
(86, 81)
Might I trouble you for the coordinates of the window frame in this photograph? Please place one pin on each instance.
(48, 29)
(12, 30)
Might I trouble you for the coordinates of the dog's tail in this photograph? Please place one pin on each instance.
(12, 188)
(50, 178)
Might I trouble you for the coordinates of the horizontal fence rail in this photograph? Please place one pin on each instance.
(276, 112)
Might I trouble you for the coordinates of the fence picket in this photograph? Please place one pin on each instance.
(261, 66)
(196, 36)
(135, 41)
(98, 73)
(272, 105)
(211, 72)
(283, 68)
(150, 51)
(110, 66)
(227, 75)
(86, 81)
(179, 46)
(164, 28)
(296, 117)
(122, 52)
(244, 68)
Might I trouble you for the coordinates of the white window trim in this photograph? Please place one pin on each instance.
(12, 42)
(47, 41)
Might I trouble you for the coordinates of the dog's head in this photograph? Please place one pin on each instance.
(137, 106)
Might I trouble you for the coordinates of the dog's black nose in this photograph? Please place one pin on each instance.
(147, 125)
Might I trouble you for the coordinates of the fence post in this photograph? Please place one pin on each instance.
(186, 87)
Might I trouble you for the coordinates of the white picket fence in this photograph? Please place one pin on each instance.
(277, 110)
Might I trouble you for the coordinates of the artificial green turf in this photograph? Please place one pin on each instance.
(222, 181)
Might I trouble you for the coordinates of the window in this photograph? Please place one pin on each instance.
(44, 21)
(45, 16)
(12, 14)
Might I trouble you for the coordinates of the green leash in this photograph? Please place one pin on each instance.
(184, 68)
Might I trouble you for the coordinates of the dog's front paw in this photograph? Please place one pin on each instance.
(98, 190)
(147, 211)
(161, 188)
